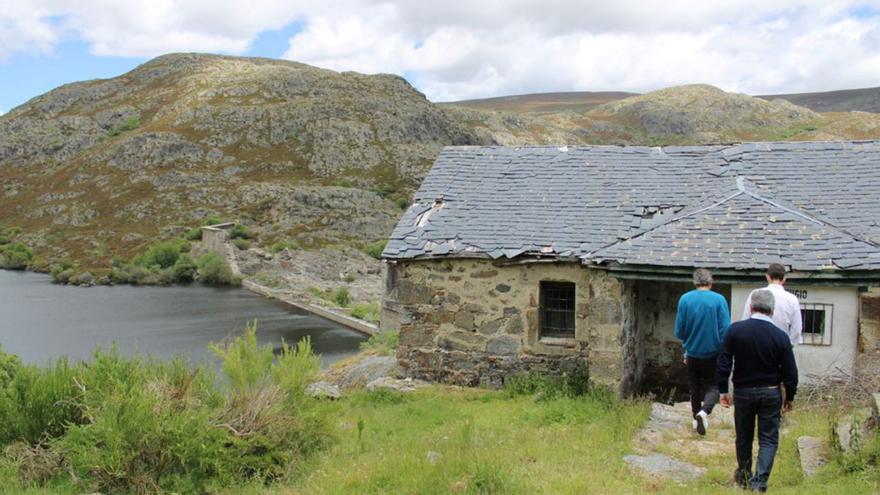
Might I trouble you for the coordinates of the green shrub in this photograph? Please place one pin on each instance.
(61, 275)
(15, 256)
(375, 249)
(194, 234)
(8, 234)
(342, 297)
(343, 183)
(574, 383)
(366, 311)
(240, 231)
(214, 270)
(185, 269)
(212, 220)
(402, 203)
(129, 124)
(384, 343)
(39, 403)
(242, 244)
(349, 277)
(162, 254)
(282, 245)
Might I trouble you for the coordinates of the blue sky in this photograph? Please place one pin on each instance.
(458, 49)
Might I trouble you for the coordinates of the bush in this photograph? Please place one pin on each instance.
(129, 124)
(282, 245)
(375, 249)
(214, 270)
(194, 234)
(384, 344)
(185, 269)
(574, 383)
(366, 311)
(8, 234)
(242, 244)
(341, 297)
(38, 403)
(162, 255)
(239, 231)
(132, 425)
(15, 256)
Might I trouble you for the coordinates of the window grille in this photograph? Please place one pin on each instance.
(557, 309)
(817, 318)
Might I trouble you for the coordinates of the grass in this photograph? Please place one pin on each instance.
(441, 440)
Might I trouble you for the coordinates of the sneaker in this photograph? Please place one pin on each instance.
(695, 424)
(702, 420)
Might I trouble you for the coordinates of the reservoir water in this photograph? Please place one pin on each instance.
(41, 321)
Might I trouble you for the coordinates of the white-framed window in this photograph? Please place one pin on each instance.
(817, 318)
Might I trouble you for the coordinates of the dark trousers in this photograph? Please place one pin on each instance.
(703, 384)
(763, 404)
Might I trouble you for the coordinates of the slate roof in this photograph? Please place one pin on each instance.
(812, 206)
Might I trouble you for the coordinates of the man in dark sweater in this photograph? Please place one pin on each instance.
(761, 357)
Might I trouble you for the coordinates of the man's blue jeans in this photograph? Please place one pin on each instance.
(763, 404)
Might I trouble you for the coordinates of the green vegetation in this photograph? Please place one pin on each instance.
(383, 344)
(193, 235)
(240, 231)
(375, 249)
(282, 245)
(131, 425)
(214, 270)
(366, 311)
(14, 255)
(241, 244)
(340, 296)
(129, 124)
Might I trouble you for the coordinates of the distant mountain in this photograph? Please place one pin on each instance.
(847, 100)
(104, 168)
(844, 100)
(575, 101)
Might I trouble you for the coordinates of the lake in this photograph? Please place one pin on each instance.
(41, 321)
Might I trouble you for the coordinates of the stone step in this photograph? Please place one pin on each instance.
(813, 454)
(663, 466)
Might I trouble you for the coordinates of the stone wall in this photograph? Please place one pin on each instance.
(868, 356)
(473, 322)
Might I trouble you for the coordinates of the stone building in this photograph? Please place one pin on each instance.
(547, 258)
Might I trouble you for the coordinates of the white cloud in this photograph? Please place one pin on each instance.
(461, 48)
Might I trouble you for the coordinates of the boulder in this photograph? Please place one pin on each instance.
(812, 453)
(398, 384)
(323, 390)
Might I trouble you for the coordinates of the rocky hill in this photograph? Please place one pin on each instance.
(104, 168)
(101, 168)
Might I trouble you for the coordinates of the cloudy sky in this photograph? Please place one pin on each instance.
(457, 49)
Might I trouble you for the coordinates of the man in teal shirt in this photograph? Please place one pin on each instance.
(701, 323)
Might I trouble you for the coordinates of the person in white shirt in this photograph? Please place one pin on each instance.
(787, 313)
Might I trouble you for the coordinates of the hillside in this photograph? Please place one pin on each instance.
(100, 168)
(104, 168)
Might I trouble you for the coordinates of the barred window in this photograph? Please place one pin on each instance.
(817, 318)
(557, 309)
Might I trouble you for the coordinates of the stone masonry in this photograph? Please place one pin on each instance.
(473, 322)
